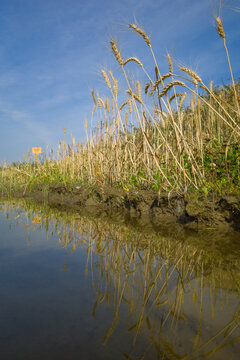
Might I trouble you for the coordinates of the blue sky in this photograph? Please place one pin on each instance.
(52, 52)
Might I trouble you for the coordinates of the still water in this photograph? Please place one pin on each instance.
(78, 287)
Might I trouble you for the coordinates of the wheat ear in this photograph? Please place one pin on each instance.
(133, 59)
(146, 88)
(116, 52)
(170, 64)
(170, 85)
(134, 96)
(176, 95)
(220, 28)
(106, 79)
(159, 81)
(123, 104)
(94, 98)
(140, 32)
(191, 73)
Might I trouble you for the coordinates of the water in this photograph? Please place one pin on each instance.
(77, 287)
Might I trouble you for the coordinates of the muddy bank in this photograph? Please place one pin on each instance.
(191, 211)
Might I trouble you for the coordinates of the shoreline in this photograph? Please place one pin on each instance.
(192, 211)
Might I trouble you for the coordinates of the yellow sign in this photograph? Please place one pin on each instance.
(36, 151)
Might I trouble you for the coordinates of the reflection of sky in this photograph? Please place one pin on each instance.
(51, 54)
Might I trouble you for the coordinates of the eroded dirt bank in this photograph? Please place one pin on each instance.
(192, 211)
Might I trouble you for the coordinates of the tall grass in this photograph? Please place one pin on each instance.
(171, 133)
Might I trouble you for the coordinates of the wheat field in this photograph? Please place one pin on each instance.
(172, 132)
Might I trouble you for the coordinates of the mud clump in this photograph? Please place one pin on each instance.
(215, 211)
(191, 211)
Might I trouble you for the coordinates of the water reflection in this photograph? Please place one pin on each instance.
(181, 298)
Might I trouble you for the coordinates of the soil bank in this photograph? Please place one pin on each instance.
(192, 211)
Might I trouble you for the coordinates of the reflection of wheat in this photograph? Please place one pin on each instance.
(153, 275)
